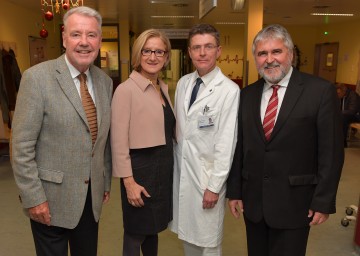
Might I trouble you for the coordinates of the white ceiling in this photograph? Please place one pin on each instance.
(275, 11)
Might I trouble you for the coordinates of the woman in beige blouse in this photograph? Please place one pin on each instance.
(142, 128)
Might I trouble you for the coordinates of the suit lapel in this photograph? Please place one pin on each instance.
(259, 87)
(98, 95)
(291, 97)
(67, 85)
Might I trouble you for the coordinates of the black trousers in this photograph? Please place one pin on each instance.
(263, 240)
(132, 244)
(54, 241)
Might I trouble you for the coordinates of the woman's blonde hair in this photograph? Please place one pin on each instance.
(141, 41)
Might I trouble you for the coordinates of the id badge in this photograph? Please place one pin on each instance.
(205, 121)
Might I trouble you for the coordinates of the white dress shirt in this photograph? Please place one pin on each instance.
(268, 90)
(75, 73)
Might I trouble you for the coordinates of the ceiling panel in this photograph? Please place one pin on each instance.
(139, 12)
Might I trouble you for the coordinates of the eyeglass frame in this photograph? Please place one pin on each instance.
(207, 47)
(156, 52)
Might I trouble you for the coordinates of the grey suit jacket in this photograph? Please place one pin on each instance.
(52, 153)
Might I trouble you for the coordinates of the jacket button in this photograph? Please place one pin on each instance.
(266, 177)
(86, 181)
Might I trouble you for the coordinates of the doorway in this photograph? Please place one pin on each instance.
(186, 66)
(180, 64)
(326, 59)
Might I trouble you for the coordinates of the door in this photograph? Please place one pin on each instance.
(326, 59)
(186, 66)
(180, 64)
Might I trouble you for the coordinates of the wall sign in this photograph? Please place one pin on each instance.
(329, 59)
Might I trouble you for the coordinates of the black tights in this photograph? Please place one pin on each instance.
(133, 243)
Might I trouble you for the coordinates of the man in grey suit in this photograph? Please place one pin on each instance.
(62, 165)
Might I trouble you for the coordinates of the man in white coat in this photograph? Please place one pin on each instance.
(206, 108)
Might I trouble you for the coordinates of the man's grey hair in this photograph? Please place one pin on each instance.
(274, 31)
(83, 10)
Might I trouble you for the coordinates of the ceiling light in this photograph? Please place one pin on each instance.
(180, 5)
(229, 23)
(237, 5)
(332, 14)
(321, 6)
(172, 17)
(167, 1)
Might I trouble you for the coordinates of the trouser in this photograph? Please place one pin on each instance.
(54, 241)
(132, 244)
(263, 240)
(193, 250)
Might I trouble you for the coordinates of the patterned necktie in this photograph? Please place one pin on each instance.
(270, 114)
(195, 91)
(89, 107)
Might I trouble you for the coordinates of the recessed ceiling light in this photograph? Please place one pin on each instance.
(321, 6)
(172, 17)
(229, 23)
(180, 5)
(237, 5)
(167, 1)
(332, 14)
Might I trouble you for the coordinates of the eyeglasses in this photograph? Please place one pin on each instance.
(207, 47)
(148, 52)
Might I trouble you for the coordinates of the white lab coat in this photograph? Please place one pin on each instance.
(203, 157)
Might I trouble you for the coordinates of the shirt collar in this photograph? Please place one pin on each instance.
(209, 76)
(140, 80)
(283, 83)
(73, 71)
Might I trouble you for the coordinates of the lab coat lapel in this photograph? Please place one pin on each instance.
(209, 89)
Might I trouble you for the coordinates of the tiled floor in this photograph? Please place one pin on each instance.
(329, 239)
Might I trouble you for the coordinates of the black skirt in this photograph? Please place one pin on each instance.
(153, 169)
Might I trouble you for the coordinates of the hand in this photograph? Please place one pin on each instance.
(134, 191)
(318, 217)
(236, 206)
(106, 197)
(40, 213)
(210, 199)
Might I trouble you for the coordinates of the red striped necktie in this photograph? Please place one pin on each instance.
(270, 113)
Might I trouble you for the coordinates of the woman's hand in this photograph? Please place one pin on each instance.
(133, 192)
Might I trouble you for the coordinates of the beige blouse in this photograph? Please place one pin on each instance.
(137, 120)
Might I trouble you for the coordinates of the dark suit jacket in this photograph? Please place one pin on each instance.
(299, 167)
